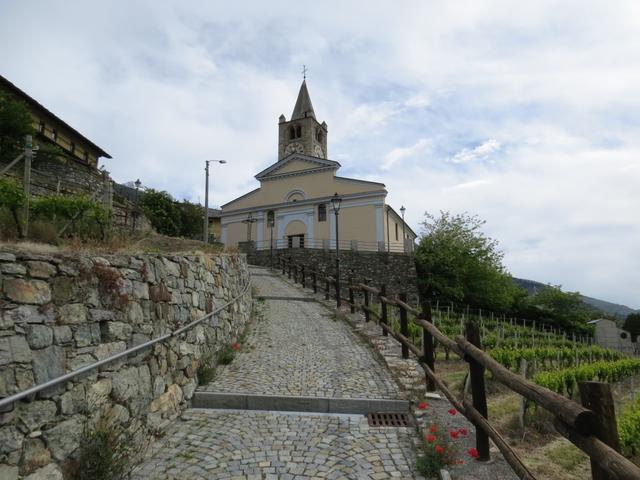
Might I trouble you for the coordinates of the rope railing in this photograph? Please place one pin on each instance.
(578, 424)
(92, 366)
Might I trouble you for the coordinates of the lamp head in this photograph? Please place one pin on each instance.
(137, 183)
(336, 201)
(402, 210)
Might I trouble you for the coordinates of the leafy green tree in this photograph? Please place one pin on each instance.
(162, 211)
(457, 263)
(565, 309)
(190, 219)
(632, 325)
(15, 123)
(12, 198)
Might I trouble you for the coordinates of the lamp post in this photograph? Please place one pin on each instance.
(205, 228)
(137, 183)
(335, 203)
(271, 220)
(249, 221)
(404, 241)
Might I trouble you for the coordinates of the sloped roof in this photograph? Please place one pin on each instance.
(319, 163)
(6, 84)
(303, 107)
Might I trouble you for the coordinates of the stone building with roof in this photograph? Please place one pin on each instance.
(292, 206)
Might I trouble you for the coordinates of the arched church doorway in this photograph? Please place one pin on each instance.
(295, 233)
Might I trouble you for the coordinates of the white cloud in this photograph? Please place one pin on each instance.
(420, 148)
(481, 152)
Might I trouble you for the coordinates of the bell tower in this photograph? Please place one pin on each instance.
(303, 133)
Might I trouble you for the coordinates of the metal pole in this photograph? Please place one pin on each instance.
(338, 300)
(205, 228)
(271, 247)
(28, 155)
(404, 238)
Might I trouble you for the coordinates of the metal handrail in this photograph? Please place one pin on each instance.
(87, 368)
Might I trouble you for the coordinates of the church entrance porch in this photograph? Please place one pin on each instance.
(295, 241)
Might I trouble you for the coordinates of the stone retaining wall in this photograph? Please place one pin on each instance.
(60, 312)
(396, 270)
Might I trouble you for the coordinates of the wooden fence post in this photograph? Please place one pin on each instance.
(427, 348)
(367, 315)
(289, 269)
(304, 280)
(283, 262)
(383, 309)
(478, 391)
(295, 274)
(352, 298)
(596, 396)
(314, 280)
(327, 286)
(404, 324)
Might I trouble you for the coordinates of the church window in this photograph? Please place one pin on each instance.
(54, 135)
(319, 135)
(298, 131)
(322, 212)
(292, 133)
(72, 147)
(396, 231)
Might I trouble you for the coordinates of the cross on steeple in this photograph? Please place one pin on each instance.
(304, 72)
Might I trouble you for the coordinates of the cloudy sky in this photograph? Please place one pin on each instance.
(524, 113)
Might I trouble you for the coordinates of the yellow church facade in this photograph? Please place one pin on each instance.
(293, 206)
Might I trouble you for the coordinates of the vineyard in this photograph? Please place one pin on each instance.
(553, 359)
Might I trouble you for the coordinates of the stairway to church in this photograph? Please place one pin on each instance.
(291, 405)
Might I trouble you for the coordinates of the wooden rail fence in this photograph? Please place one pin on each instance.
(590, 427)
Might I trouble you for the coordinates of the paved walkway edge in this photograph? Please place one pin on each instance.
(240, 401)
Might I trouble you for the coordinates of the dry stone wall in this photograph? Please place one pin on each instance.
(59, 313)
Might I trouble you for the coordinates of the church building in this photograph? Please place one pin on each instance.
(293, 206)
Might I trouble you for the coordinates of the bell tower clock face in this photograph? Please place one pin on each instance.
(295, 147)
(317, 151)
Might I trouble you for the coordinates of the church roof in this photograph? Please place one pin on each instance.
(314, 162)
(303, 107)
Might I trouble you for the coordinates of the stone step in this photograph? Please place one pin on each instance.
(243, 401)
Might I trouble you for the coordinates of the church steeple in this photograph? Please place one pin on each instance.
(303, 133)
(303, 107)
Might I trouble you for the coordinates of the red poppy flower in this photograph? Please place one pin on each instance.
(431, 438)
(235, 346)
(433, 428)
(460, 461)
(439, 449)
(473, 453)
(454, 434)
(463, 431)
(422, 405)
(452, 411)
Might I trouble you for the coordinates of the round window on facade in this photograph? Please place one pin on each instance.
(623, 335)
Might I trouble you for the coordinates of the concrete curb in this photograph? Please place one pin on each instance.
(241, 401)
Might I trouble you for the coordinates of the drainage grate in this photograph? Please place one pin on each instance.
(388, 419)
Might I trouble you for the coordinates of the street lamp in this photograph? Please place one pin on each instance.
(137, 183)
(205, 229)
(404, 241)
(271, 220)
(249, 221)
(335, 203)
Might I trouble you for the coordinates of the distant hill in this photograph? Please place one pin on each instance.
(620, 311)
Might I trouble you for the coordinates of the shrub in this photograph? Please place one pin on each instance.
(12, 198)
(206, 372)
(107, 451)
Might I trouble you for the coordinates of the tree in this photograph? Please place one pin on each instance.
(15, 123)
(632, 325)
(190, 219)
(162, 211)
(565, 309)
(457, 263)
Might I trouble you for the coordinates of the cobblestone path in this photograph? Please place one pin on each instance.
(296, 349)
(299, 349)
(230, 444)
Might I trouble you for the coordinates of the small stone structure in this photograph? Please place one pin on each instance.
(396, 270)
(608, 335)
(60, 312)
